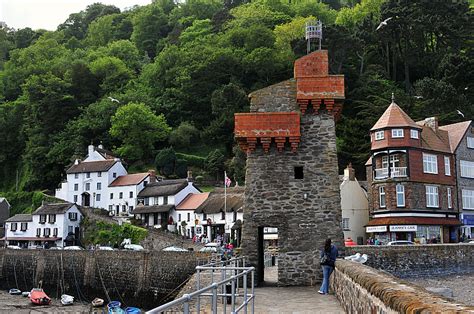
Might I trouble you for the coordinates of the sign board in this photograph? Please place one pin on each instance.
(376, 229)
(403, 228)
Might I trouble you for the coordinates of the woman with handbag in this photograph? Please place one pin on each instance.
(328, 259)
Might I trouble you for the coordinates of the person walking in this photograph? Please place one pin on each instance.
(328, 260)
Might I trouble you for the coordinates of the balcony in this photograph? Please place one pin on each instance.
(395, 172)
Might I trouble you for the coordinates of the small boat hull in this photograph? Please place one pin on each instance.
(97, 302)
(14, 291)
(25, 294)
(38, 297)
(132, 310)
(67, 299)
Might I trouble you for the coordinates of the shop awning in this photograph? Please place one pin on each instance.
(414, 221)
(30, 239)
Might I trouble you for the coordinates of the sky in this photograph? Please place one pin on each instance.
(48, 14)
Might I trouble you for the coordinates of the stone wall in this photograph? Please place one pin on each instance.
(362, 289)
(143, 279)
(419, 260)
(305, 211)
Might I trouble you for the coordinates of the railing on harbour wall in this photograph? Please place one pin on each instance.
(229, 284)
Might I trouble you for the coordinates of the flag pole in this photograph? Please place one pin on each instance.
(225, 197)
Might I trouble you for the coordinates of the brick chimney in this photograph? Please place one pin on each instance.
(349, 172)
(152, 176)
(432, 122)
(190, 176)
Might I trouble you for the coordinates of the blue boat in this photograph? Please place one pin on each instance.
(116, 310)
(132, 310)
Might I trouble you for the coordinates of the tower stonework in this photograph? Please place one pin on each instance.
(292, 180)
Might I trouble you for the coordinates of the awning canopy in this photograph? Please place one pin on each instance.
(414, 221)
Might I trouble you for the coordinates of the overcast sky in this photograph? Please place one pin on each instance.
(48, 14)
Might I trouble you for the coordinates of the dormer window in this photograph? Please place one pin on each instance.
(379, 135)
(397, 133)
(414, 134)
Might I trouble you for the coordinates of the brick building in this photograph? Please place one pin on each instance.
(412, 180)
(292, 176)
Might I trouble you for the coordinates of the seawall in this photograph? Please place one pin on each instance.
(144, 279)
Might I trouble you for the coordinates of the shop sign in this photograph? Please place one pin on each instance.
(403, 228)
(468, 219)
(376, 229)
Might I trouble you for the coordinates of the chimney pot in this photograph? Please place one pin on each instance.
(76, 162)
(101, 146)
(152, 175)
(190, 176)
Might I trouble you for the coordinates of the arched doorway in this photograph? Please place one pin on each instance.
(86, 199)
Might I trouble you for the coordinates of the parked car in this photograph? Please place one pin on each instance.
(105, 248)
(174, 249)
(73, 248)
(400, 242)
(133, 247)
(13, 247)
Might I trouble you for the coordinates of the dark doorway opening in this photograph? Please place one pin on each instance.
(267, 268)
(86, 199)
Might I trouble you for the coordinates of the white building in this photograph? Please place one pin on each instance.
(49, 225)
(355, 207)
(185, 214)
(101, 181)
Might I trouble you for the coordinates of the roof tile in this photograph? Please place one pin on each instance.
(394, 116)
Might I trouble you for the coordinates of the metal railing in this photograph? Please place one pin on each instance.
(231, 287)
(395, 172)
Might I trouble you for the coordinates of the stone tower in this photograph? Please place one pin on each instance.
(292, 177)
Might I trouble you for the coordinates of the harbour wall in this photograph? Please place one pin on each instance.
(144, 279)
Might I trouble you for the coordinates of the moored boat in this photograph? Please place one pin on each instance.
(25, 294)
(116, 310)
(67, 299)
(132, 310)
(97, 302)
(39, 297)
(14, 291)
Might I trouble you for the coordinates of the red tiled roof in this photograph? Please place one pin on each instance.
(267, 124)
(369, 161)
(438, 141)
(192, 201)
(129, 179)
(456, 132)
(414, 221)
(394, 116)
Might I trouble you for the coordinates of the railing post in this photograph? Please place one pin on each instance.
(198, 283)
(214, 298)
(186, 304)
(253, 291)
(233, 294)
(245, 293)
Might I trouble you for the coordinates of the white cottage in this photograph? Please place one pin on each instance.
(49, 225)
(185, 214)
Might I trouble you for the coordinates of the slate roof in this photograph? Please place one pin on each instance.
(163, 188)
(129, 179)
(57, 208)
(215, 203)
(456, 132)
(394, 116)
(20, 218)
(141, 209)
(438, 141)
(92, 166)
(107, 154)
(192, 201)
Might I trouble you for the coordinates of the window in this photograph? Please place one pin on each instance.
(432, 199)
(114, 175)
(397, 133)
(467, 169)
(450, 198)
(46, 232)
(121, 195)
(165, 200)
(414, 134)
(204, 216)
(470, 142)
(189, 217)
(447, 166)
(430, 164)
(179, 217)
(97, 197)
(400, 195)
(131, 194)
(42, 219)
(14, 226)
(124, 208)
(76, 187)
(38, 232)
(382, 197)
(379, 135)
(147, 201)
(72, 216)
(99, 186)
(222, 215)
(70, 229)
(299, 173)
(345, 223)
(76, 176)
(111, 195)
(55, 232)
(394, 161)
(235, 216)
(52, 218)
(111, 207)
(468, 199)
(88, 186)
(88, 174)
(99, 174)
(130, 208)
(24, 226)
(75, 198)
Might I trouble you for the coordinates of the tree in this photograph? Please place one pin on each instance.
(184, 135)
(113, 73)
(139, 130)
(215, 163)
(165, 161)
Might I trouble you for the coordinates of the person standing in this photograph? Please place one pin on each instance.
(328, 260)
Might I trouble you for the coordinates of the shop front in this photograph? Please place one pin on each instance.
(467, 231)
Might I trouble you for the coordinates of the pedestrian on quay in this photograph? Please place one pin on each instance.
(328, 260)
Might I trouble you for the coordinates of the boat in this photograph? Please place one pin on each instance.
(14, 291)
(37, 296)
(132, 310)
(67, 299)
(116, 310)
(114, 304)
(97, 302)
(25, 294)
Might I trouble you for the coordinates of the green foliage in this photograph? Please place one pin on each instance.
(192, 160)
(26, 202)
(165, 161)
(183, 135)
(104, 233)
(215, 163)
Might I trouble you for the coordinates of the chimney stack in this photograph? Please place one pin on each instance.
(349, 172)
(76, 162)
(190, 176)
(152, 176)
(432, 122)
(90, 149)
(101, 146)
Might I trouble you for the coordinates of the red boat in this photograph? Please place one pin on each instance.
(37, 296)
